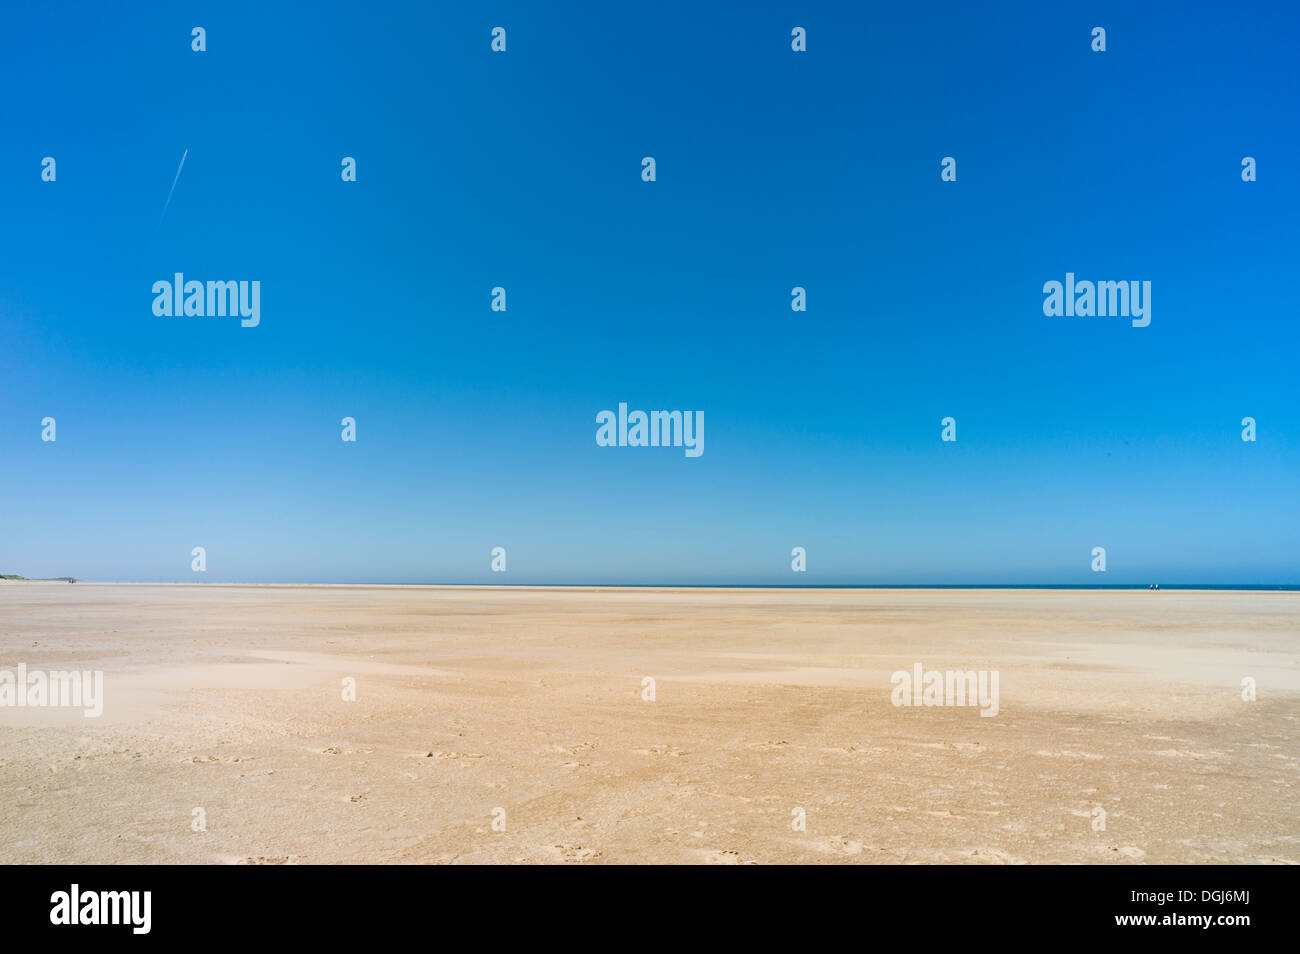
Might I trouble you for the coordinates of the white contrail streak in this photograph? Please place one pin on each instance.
(172, 189)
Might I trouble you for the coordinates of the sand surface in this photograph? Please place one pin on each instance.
(469, 700)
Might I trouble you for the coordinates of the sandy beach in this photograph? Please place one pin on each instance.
(516, 725)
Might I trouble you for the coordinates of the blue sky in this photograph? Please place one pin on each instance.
(821, 169)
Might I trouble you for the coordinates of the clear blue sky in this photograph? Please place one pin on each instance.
(477, 429)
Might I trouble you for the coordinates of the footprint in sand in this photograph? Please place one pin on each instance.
(573, 854)
(835, 845)
(726, 857)
(660, 750)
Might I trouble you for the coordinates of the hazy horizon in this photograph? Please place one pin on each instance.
(1263, 587)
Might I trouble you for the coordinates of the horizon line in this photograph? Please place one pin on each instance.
(1273, 587)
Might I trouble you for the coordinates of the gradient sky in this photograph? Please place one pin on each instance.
(821, 169)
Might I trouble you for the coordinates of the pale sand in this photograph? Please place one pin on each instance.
(229, 699)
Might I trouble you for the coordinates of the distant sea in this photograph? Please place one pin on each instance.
(872, 586)
(1248, 587)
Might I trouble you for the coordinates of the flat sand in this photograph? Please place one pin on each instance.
(510, 725)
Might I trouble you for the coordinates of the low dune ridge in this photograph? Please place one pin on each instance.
(622, 725)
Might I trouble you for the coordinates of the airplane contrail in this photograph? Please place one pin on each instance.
(171, 190)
